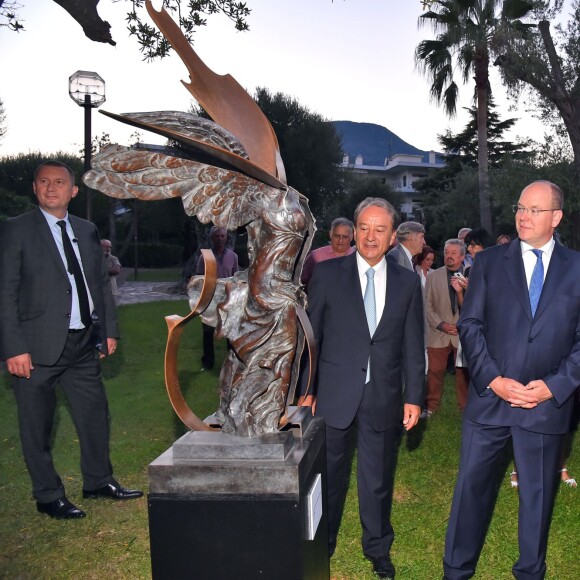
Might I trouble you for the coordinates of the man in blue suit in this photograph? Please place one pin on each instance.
(520, 331)
(367, 318)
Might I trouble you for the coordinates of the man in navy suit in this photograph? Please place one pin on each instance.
(56, 306)
(367, 348)
(520, 331)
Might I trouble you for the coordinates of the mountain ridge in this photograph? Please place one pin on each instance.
(374, 142)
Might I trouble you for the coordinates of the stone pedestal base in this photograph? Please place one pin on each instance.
(224, 507)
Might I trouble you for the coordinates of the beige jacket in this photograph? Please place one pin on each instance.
(438, 309)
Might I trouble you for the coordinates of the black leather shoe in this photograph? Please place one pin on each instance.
(112, 491)
(60, 509)
(383, 567)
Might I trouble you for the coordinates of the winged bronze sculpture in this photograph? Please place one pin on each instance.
(227, 171)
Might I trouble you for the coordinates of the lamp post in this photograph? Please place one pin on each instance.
(87, 89)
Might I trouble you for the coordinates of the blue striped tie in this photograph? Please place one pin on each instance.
(536, 282)
(370, 310)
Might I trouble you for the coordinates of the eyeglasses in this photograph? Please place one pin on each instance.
(534, 211)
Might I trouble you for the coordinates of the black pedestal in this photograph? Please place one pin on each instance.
(250, 511)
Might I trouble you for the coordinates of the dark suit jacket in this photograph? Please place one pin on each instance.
(35, 292)
(398, 256)
(336, 311)
(500, 338)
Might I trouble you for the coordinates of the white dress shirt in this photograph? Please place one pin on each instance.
(530, 259)
(75, 313)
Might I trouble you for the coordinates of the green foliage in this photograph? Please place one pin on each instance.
(359, 187)
(310, 148)
(17, 175)
(462, 148)
(546, 67)
(451, 204)
(468, 32)
(12, 205)
(159, 222)
(451, 192)
(189, 17)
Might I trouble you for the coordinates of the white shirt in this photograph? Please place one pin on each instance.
(530, 259)
(75, 314)
(380, 282)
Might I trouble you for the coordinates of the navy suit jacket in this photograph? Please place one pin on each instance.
(337, 314)
(500, 337)
(35, 292)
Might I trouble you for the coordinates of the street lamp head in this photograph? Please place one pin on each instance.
(86, 88)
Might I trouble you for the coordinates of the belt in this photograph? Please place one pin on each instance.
(76, 330)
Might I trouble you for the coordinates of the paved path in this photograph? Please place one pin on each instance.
(138, 292)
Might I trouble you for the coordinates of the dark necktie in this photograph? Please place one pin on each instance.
(536, 282)
(74, 268)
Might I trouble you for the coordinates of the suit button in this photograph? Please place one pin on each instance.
(68, 315)
(530, 340)
(372, 342)
(68, 291)
(364, 371)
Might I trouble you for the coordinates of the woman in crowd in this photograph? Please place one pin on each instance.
(424, 263)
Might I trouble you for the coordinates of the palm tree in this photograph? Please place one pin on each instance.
(468, 31)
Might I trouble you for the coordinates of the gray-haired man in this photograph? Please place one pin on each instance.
(410, 242)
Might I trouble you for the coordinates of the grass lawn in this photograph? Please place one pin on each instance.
(154, 274)
(112, 541)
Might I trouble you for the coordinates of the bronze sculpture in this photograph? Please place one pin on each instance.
(230, 174)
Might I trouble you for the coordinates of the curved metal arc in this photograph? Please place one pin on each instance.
(312, 356)
(175, 327)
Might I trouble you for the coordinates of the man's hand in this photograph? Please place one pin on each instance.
(535, 392)
(20, 365)
(410, 415)
(459, 284)
(518, 395)
(111, 347)
(448, 328)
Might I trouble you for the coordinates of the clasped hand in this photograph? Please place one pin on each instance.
(519, 395)
(449, 328)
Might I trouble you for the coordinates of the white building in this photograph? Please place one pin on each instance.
(399, 171)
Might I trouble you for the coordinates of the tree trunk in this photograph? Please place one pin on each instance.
(482, 82)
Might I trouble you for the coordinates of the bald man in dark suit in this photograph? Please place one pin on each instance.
(520, 331)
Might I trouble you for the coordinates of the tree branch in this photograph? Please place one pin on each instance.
(85, 13)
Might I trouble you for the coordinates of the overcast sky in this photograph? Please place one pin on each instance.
(347, 60)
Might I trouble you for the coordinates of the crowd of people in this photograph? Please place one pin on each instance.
(505, 312)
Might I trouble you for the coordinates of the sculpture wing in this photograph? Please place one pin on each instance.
(224, 197)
